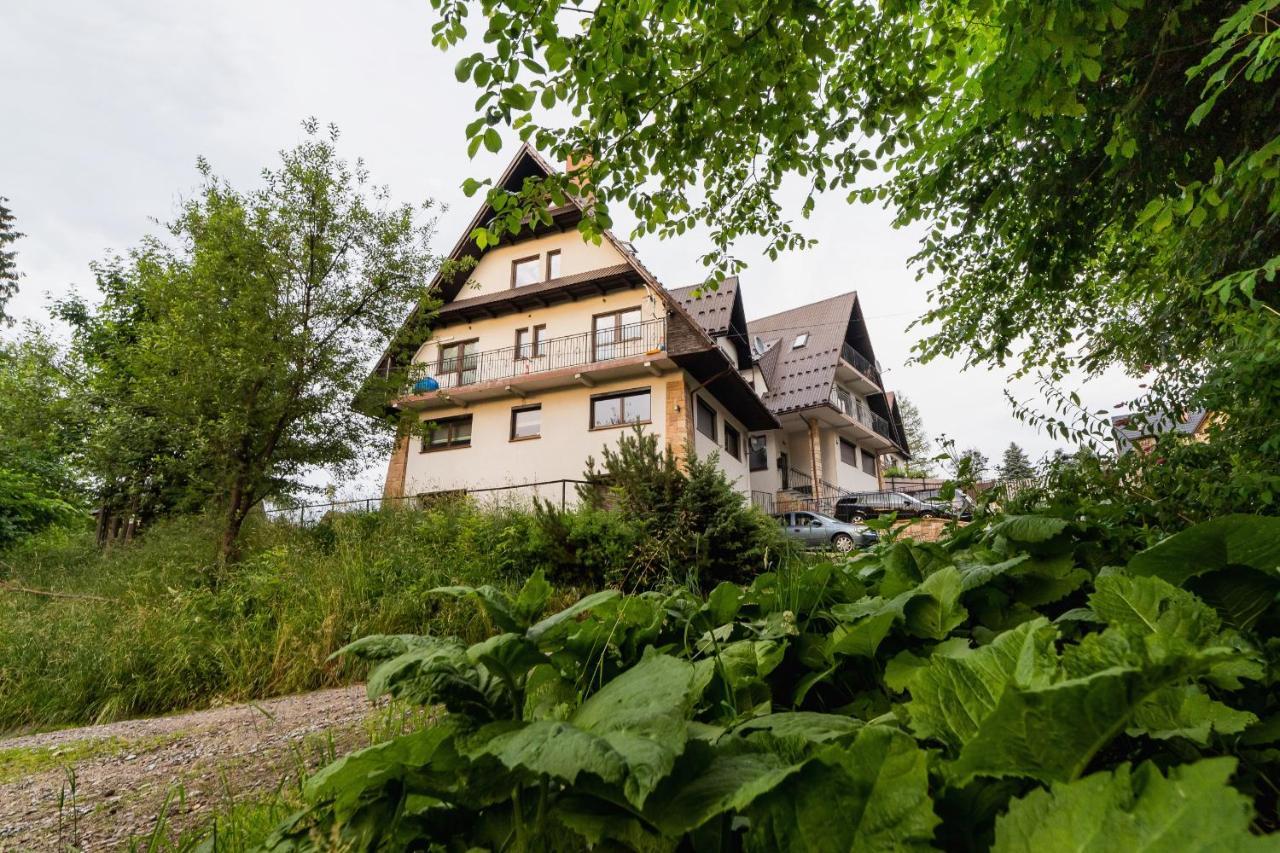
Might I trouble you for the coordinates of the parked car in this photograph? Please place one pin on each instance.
(815, 530)
(864, 505)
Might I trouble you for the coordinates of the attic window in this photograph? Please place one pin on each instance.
(801, 340)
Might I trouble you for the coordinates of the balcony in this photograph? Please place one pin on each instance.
(857, 411)
(583, 358)
(859, 371)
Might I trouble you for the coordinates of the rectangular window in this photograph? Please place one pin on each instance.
(526, 422)
(616, 334)
(553, 264)
(706, 419)
(446, 433)
(459, 363)
(526, 271)
(758, 452)
(538, 334)
(869, 463)
(732, 442)
(629, 407)
(848, 453)
(524, 348)
(844, 401)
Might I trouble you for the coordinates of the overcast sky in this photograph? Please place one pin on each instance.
(109, 104)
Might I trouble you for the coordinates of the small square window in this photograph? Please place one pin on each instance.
(448, 432)
(526, 422)
(868, 463)
(631, 407)
(706, 417)
(526, 271)
(801, 340)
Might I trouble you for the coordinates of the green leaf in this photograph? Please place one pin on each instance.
(1029, 529)
(934, 608)
(1051, 733)
(722, 784)
(495, 603)
(1193, 808)
(532, 599)
(345, 781)
(1149, 605)
(1187, 711)
(492, 141)
(808, 726)
(872, 795)
(643, 715)
(1231, 540)
(952, 697)
(554, 628)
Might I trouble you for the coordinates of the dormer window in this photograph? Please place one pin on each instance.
(801, 340)
(526, 271)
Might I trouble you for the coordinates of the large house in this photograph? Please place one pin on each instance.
(551, 347)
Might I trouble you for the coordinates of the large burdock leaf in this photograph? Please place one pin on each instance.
(630, 732)
(715, 784)
(955, 693)
(1028, 528)
(1187, 711)
(1052, 733)
(872, 795)
(933, 608)
(439, 671)
(1231, 540)
(1149, 605)
(1192, 809)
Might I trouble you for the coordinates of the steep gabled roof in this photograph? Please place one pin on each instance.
(720, 313)
(801, 377)
(713, 309)
(697, 352)
(1129, 428)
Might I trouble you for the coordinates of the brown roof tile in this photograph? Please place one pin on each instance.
(713, 309)
(801, 377)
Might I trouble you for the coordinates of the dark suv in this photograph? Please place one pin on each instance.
(863, 505)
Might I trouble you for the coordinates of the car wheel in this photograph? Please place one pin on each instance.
(842, 542)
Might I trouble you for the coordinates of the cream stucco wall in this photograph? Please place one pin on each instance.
(849, 477)
(561, 452)
(493, 272)
(735, 469)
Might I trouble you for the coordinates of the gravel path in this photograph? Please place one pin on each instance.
(120, 789)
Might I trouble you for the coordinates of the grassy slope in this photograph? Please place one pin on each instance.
(166, 639)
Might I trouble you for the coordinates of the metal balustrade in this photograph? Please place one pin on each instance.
(862, 363)
(858, 410)
(633, 339)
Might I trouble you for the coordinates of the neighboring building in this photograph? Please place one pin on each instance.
(550, 347)
(1139, 431)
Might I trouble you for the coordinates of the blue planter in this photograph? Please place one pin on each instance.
(422, 386)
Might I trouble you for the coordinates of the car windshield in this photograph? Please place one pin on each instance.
(825, 519)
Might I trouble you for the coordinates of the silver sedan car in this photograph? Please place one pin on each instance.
(815, 530)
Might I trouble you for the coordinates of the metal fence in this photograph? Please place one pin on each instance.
(559, 493)
(539, 356)
(862, 363)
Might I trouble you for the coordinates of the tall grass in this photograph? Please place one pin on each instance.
(148, 632)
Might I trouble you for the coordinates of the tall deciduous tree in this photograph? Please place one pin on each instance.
(8, 265)
(971, 464)
(1098, 182)
(917, 438)
(254, 328)
(1015, 464)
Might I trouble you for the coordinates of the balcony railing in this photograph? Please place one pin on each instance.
(610, 344)
(858, 410)
(862, 363)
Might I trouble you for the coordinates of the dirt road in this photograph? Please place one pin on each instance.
(124, 771)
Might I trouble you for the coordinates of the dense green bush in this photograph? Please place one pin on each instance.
(690, 525)
(1035, 683)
